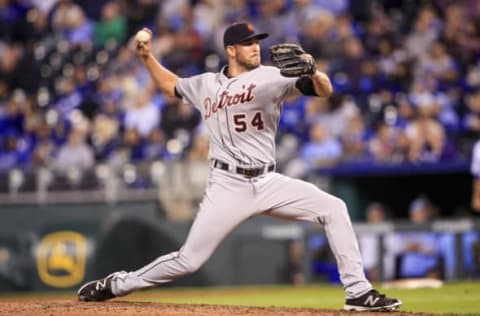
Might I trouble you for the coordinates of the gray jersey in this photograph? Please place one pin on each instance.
(241, 113)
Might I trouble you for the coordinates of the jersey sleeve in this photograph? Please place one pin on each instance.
(186, 88)
(291, 87)
(286, 84)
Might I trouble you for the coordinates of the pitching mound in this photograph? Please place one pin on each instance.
(119, 308)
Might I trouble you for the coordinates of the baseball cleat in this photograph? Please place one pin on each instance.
(372, 301)
(97, 291)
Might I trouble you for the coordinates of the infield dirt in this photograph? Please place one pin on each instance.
(68, 307)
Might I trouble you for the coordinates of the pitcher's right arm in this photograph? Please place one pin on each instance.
(164, 79)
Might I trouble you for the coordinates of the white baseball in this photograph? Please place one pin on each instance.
(142, 36)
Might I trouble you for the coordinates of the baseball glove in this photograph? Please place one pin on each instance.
(287, 57)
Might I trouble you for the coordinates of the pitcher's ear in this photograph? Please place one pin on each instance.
(230, 50)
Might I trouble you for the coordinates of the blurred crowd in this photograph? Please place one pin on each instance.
(406, 77)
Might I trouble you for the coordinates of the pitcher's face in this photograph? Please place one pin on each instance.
(248, 54)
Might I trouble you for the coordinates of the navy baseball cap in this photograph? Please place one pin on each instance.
(241, 32)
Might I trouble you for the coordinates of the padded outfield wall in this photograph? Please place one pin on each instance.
(58, 247)
(61, 246)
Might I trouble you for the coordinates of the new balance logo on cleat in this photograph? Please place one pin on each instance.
(372, 301)
(98, 290)
(101, 284)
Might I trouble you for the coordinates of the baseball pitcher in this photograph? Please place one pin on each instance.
(241, 106)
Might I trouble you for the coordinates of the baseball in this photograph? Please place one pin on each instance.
(142, 36)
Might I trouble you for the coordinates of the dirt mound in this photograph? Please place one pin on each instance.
(119, 308)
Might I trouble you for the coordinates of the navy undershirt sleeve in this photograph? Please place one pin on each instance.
(305, 85)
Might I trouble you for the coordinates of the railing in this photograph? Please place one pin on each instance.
(111, 182)
(178, 185)
(406, 168)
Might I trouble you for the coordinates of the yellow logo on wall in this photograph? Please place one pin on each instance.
(61, 258)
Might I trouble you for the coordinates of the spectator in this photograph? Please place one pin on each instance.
(70, 96)
(133, 146)
(471, 119)
(426, 31)
(419, 254)
(393, 64)
(342, 33)
(426, 137)
(11, 115)
(177, 117)
(378, 32)
(461, 30)
(186, 46)
(142, 114)
(355, 140)
(112, 25)
(155, 147)
(471, 253)
(315, 37)
(296, 17)
(292, 120)
(104, 135)
(208, 16)
(44, 145)
(350, 66)
(438, 63)
(376, 213)
(333, 113)
(424, 94)
(71, 24)
(75, 154)
(322, 150)
(475, 170)
(388, 144)
(142, 13)
(237, 10)
(405, 110)
(11, 64)
(337, 7)
(270, 21)
(14, 152)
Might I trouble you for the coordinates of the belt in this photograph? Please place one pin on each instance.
(247, 172)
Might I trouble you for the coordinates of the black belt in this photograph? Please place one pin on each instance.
(247, 172)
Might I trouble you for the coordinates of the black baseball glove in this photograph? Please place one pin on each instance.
(287, 57)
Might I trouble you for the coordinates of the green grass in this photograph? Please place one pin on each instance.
(452, 298)
(456, 298)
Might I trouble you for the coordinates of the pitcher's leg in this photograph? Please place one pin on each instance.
(299, 200)
(220, 212)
